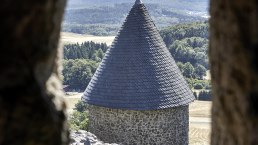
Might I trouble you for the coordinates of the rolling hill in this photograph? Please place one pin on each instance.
(104, 17)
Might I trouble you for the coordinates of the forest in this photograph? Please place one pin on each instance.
(80, 63)
(187, 43)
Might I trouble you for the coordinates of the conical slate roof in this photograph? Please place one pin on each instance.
(138, 72)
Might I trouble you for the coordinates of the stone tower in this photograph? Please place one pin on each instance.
(138, 95)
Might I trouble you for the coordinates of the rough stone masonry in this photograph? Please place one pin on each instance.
(160, 127)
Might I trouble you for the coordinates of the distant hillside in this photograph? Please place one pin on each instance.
(117, 13)
(105, 17)
(191, 5)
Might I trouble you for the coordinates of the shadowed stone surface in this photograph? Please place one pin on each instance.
(31, 108)
(234, 63)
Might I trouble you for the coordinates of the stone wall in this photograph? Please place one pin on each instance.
(161, 127)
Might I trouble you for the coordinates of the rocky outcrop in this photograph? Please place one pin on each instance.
(82, 137)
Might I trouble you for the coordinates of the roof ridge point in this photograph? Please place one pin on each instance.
(137, 2)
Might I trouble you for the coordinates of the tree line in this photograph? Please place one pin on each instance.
(80, 63)
(86, 50)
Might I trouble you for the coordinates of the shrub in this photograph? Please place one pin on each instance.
(80, 106)
(79, 120)
(205, 96)
(198, 86)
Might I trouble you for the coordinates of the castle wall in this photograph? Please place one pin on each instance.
(159, 127)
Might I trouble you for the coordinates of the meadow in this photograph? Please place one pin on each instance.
(71, 38)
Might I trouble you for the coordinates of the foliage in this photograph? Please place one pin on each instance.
(79, 120)
(80, 63)
(190, 82)
(205, 95)
(198, 84)
(182, 31)
(199, 71)
(186, 50)
(92, 29)
(78, 73)
(188, 70)
(87, 50)
(81, 106)
(188, 44)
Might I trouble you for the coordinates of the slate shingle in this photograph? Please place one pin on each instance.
(138, 72)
